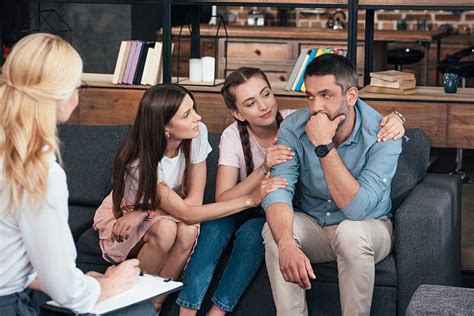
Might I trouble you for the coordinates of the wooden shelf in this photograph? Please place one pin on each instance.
(425, 3)
(431, 94)
(294, 3)
(279, 32)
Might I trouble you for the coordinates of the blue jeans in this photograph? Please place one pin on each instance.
(246, 257)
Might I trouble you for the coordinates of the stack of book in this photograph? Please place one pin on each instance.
(392, 82)
(139, 62)
(296, 81)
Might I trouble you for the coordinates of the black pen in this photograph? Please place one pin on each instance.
(142, 273)
(110, 259)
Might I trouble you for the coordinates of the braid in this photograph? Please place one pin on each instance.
(236, 78)
(279, 118)
(244, 138)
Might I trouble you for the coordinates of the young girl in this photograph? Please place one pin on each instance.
(38, 89)
(158, 186)
(248, 150)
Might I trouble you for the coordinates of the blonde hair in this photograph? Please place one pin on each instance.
(39, 77)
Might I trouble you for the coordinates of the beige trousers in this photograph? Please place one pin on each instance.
(356, 245)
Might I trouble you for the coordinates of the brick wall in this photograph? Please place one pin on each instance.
(384, 19)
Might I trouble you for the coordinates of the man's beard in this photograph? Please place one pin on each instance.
(343, 109)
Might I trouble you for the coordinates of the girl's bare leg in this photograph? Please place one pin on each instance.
(157, 244)
(179, 254)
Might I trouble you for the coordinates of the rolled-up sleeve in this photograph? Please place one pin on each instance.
(375, 179)
(51, 251)
(288, 170)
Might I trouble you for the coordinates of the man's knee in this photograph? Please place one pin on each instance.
(351, 240)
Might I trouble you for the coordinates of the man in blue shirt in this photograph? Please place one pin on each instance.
(343, 175)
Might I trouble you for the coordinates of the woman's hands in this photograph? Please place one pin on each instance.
(277, 154)
(117, 279)
(267, 185)
(392, 128)
(124, 225)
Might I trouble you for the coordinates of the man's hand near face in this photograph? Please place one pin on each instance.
(321, 130)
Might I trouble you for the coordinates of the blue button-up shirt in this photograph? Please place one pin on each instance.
(371, 163)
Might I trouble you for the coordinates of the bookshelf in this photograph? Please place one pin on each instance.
(445, 118)
(371, 5)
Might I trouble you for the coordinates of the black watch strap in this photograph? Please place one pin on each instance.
(323, 150)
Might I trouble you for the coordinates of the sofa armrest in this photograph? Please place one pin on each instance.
(428, 235)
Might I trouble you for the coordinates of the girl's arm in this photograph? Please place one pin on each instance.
(228, 187)
(174, 205)
(227, 176)
(391, 127)
(197, 184)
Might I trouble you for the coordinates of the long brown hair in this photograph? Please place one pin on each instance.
(146, 143)
(235, 79)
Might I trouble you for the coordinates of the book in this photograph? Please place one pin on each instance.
(301, 70)
(121, 61)
(400, 84)
(392, 75)
(312, 55)
(141, 62)
(131, 56)
(294, 73)
(133, 68)
(146, 67)
(373, 89)
(146, 287)
(154, 66)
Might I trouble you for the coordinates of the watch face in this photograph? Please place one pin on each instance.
(321, 151)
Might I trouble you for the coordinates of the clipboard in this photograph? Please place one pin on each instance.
(146, 287)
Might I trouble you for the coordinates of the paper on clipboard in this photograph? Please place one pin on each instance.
(146, 286)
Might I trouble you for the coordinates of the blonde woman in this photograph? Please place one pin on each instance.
(38, 89)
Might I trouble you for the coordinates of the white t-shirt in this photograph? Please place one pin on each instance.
(231, 152)
(38, 242)
(171, 170)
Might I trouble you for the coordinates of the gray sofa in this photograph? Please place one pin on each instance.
(427, 224)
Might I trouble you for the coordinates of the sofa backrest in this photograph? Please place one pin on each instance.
(412, 165)
(89, 153)
(212, 159)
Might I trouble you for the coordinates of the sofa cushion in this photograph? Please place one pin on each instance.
(412, 165)
(88, 242)
(80, 219)
(88, 153)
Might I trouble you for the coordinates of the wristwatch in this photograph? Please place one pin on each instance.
(323, 150)
(400, 116)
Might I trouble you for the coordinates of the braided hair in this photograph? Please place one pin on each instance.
(238, 77)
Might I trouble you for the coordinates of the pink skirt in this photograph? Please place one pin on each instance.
(104, 221)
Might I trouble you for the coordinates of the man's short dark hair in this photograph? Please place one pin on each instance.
(337, 65)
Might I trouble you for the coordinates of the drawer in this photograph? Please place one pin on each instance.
(259, 51)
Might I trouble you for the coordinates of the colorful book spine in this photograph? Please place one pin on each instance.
(133, 68)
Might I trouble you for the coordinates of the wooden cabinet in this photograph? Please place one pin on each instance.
(446, 119)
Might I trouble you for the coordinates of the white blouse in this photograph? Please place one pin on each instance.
(38, 242)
